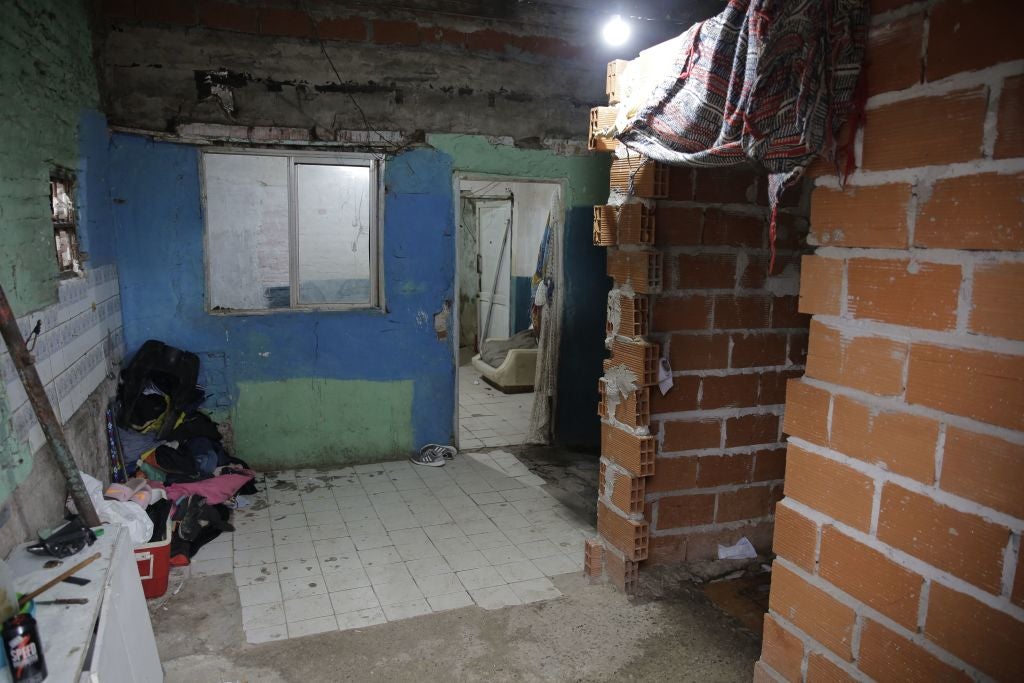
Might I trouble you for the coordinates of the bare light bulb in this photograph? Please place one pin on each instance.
(616, 31)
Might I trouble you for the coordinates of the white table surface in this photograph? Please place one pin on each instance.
(67, 630)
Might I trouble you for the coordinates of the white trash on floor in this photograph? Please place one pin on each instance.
(740, 550)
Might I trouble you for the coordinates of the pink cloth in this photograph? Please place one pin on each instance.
(215, 490)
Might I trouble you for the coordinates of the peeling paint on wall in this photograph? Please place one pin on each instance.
(442, 319)
(50, 120)
(48, 76)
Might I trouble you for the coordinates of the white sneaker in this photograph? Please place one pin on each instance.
(433, 455)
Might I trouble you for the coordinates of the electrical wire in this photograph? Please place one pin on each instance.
(395, 149)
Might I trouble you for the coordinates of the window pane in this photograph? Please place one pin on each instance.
(334, 232)
(247, 231)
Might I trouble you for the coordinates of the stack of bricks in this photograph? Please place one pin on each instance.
(899, 539)
(702, 464)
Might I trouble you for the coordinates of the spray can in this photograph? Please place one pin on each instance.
(24, 650)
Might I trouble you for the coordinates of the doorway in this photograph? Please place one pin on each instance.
(506, 229)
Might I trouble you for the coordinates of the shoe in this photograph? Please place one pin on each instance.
(189, 513)
(449, 452)
(124, 492)
(143, 497)
(118, 492)
(430, 455)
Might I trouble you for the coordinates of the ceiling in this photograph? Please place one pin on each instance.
(652, 20)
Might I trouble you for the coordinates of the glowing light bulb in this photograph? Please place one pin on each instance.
(616, 31)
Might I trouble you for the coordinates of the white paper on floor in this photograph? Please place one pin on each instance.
(741, 550)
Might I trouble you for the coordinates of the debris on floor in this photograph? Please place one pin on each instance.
(738, 588)
(742, 549)
(680, 638)
(346, 548)
(745, 598)
(489, 418)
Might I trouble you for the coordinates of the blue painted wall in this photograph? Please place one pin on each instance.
(522, 302)
(155, 188)
(583, 332)
(95, 232)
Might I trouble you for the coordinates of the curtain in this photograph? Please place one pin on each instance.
(765, 81)
(551, 285)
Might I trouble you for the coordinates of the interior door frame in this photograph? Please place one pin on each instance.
(457, 178)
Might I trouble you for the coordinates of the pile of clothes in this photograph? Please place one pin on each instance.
(167, 457)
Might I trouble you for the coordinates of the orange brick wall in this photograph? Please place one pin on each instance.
(733, 337)
(899, 536)
(701, 464)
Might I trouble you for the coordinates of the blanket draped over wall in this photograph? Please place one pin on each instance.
(764, 81)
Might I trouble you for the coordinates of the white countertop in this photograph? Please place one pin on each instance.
(66, 630)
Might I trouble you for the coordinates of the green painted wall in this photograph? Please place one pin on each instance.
(47, 80)
(323, 422)
(15, 460)
(587, 176)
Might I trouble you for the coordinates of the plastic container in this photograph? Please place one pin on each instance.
(154, 563)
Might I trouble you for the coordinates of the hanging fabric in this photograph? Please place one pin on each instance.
(548, 281)
(765, 81)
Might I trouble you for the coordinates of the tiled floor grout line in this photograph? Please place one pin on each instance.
(324, 550)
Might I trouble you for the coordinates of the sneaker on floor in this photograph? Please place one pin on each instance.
(448, 452)
(432, 455)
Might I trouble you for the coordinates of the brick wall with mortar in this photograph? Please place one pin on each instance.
(733, 337)
(702, 464)
(899, 536)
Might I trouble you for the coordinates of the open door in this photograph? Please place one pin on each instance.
(494, 265)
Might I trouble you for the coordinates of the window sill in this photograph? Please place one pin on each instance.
(232, 312)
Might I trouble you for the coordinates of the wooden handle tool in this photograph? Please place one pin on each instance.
(23, 600)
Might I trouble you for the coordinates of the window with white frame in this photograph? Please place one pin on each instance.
(287, 230)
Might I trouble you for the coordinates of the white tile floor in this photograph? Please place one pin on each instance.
(346, 548)
(488, 417)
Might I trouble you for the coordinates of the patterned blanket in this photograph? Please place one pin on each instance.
(764, 81)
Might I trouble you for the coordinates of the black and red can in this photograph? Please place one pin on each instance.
(24, 649)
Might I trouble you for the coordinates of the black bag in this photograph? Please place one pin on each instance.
(173, 461)
(66, 540)
(172, 371)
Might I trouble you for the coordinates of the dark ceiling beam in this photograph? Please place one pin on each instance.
(570, 16)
